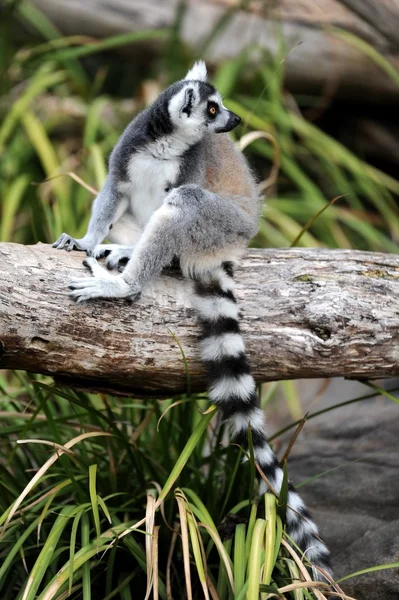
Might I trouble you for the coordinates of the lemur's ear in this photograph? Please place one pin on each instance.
(187, 105)
(197, 71)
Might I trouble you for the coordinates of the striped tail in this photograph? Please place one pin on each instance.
(233, 389)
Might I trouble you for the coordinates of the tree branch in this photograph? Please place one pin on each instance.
(305, 313)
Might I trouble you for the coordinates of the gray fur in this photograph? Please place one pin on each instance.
(163, 148)
(178, 187)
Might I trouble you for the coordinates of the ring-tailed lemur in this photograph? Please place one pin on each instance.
(178, 187)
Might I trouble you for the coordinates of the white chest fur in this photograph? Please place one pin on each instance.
(149, 178)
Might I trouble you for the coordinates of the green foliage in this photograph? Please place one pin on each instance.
(96, 484)
(96, 491)
(85, 479)
(58, 118)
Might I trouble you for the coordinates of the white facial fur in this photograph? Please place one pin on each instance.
(182, 120)
(195, 122)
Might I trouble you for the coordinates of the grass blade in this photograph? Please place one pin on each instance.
(270, 539)
(10, 206)
(15, 549)
(195, 544)
(185, 455)
(184, 540)
(46, 555)
(93, 498)
(40, 81)
(255, 558)
(313, 219)
(394, 565)
(239, 562)
(35, 480)
(72, 544)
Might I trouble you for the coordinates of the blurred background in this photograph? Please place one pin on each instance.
(320, 79)
(317, 84)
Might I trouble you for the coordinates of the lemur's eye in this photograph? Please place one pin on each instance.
(212, 109)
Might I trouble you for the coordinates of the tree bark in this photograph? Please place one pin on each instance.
(305, 313)
(317, 61)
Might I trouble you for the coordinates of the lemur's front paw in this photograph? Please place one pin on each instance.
(69, 243)
(101, 285)
(116, 256)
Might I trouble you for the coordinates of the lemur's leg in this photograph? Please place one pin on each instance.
(107, 208)
(191, 224)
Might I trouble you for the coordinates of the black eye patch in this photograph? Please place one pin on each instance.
(212, 109)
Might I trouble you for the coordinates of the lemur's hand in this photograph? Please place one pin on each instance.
(101, 285)
(69, 243)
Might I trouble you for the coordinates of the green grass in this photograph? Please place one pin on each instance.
(100, 497)
(103, 497)
(46, 92)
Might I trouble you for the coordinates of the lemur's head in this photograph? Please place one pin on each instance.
(196, 106)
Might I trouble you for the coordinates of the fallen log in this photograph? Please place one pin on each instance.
(318, 61)
(305, 313)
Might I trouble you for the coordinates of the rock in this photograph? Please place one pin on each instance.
(356, 504)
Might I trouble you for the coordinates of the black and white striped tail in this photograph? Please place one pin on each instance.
(233, 389)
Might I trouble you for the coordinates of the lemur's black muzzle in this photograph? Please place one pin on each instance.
(232, 122)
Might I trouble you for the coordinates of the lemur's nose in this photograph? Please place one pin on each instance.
(237, 120)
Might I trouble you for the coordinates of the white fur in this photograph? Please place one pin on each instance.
(228, 344)
(214, 307)
(189, 128)
(276, 482)
(122, 207)
(225, 281)
(305, 525)
(300, 527)
(242, 387)
(125, 231)
(264, 456)
(313, 551)
(255, 419)
(148, 177)
(216, 98)
(295, 503)
(197, 72)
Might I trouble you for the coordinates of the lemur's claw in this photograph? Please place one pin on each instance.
(62, 240)
(90, 263)
(134, 298)
(122, 265)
